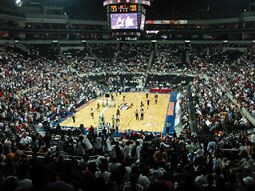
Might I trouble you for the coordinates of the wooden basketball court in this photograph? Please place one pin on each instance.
(154, 114)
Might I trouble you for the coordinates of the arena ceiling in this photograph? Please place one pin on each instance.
(160, 9)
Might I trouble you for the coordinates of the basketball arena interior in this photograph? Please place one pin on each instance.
(127, 95)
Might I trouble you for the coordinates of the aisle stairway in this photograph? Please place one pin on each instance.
(22, 47)
(89, 49)
(116, 55)
(151, 58)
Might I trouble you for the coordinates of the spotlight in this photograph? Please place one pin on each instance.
(18, 3)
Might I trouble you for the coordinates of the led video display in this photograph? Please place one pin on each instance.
(124, 21)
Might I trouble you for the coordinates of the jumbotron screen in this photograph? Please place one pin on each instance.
(124, 21)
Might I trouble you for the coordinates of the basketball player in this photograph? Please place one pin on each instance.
(148, 103)
(141, 105)
(117, 119)
(117, 126)
(136, 114)
(73, 117)
(142, 114)
(147, 95)
(156, 98)
(92, 113)
(98, 106)
(120, 23)
(118, 112)
(124, 98)
(113, 121)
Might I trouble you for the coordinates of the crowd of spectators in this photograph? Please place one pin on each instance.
(82, 61)
(128, 58)
(231, 68)
(135, 161)
(239, 80)
(166, 81)
(105, 52)
(170, 55)
(214, 111)
(36, 90)
(132, 58)
(124, 82)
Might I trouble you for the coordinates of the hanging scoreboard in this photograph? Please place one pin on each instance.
(126, 15)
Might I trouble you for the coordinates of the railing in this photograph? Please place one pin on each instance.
(30, 154)
(173, 42)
